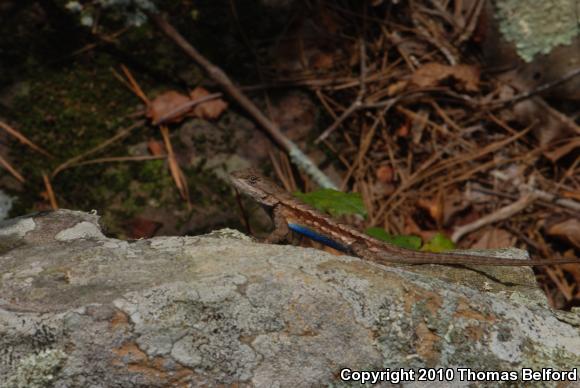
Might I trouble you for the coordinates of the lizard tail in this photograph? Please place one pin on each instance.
(407, 256)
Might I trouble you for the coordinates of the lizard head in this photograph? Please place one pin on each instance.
(255, 185)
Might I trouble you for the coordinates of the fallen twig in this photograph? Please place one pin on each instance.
(540, 194)
(217, 74)
(499, 215)
(531, 93)
(119, 159)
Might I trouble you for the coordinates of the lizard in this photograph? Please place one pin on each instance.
(291, 214)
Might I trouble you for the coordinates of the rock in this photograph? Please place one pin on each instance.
(80, 309)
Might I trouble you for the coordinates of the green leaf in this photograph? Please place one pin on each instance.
(403, 241)
(439, 243)
(334, 202)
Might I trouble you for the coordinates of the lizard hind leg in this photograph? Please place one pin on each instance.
(362, 251)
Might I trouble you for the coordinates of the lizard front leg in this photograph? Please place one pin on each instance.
(281, 230)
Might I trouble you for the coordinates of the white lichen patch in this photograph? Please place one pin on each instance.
(167, 244)
(17, 227)
(537, 26)
(529, 322)
(123, 248)
(37, 370)
(228, 233)
(81, 230)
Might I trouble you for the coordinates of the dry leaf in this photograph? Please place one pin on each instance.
(466, 77)
(173, 107)
(207, 110)
(568, 230)
(165, 107)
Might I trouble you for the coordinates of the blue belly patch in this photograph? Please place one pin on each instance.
(303, 230)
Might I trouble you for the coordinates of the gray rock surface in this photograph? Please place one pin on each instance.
(78, 309)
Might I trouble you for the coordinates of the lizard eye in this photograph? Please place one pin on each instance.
(253, 180)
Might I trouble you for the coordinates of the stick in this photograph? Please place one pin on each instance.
(217, 74)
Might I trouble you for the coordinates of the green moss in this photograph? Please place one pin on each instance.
(67, 113)
(68, 104)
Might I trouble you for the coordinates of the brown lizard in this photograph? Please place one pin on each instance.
(289, 213)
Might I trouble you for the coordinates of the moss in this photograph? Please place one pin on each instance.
(68, 104)
(69, 112)
(72, 110)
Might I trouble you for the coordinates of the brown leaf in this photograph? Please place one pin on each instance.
(466, 77)
(165, 107)
(568, 230)
(207, 110)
